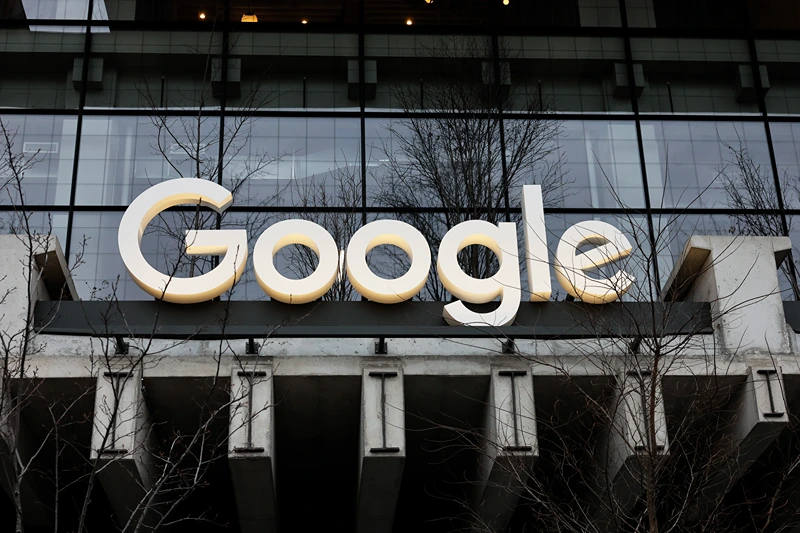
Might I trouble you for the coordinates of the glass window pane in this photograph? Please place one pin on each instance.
(44, 149)
(577, 74)
(294, 71)
(436, 72)
(39, 69)
(693, 76)
(672, 232)
(123, 156)
(294, 161)
(458, 72)
(674, 14)
(35, 224)
(100, 273)
(779, 61)
(156, 69)
(708, 165)
(786, 144)
(69, 10)
(419, 162)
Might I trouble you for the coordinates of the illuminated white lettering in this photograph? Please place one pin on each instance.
(231, 243)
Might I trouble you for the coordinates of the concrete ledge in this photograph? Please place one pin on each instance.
(551, 320)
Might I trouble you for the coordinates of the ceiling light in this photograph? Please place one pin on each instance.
(249, 17)
(304, 21)
(506, 2)
(409, 22)
(202, 16)
(428, 1)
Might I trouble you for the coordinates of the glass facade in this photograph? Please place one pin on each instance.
(670, 117)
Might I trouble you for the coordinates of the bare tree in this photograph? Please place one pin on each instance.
(335, 204)
(644, 430)
(750, 190)
(162, 465)
(469, 159)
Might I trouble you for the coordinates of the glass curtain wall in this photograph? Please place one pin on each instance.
(672, 118)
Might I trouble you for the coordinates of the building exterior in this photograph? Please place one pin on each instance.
(673, 121)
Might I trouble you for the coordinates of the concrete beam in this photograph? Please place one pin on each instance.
(382, 452)
(623, 449)
(738, 276)
(760, 415)
(510, 446)
(251, 447)
(33, 269)
(123, 443)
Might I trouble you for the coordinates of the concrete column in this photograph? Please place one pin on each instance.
(761, 413)
(382, 453)
(622, 450)
(251, 448)
(738, 275)
(37, 265)
(123, 443)
(510, 446)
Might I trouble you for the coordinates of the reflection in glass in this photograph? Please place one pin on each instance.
(295, 71)
(708, 164)
(780, 79)
(565, 74)
(157, 69)
(419, 162)
(786, 145)
(123, 156)
(35, 224)
(693, 76)
(59, 10)
(305, 162)
(435, 72)
(672, 232)
(44, 149)
(99, 272)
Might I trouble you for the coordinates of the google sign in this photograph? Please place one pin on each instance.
(583, 248)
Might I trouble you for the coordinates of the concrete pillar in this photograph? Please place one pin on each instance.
(38, 265)
(760, 414)
(738, 276)
(622, 450)
(510, 446)
(123, 443)
(251, 448)
(382, 452)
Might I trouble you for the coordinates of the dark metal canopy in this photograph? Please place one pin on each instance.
(238, 319)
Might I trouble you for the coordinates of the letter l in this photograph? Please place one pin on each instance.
(536, 256)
